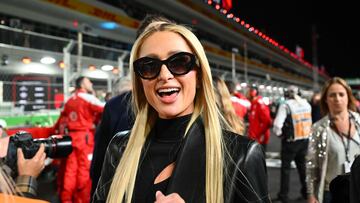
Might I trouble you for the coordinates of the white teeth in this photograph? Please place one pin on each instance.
(168, 90)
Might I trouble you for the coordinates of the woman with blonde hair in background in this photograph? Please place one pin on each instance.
(223, 100)
(177, 150)
(334, 140)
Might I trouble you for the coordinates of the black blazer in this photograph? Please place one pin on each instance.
(245, 170)
(355, 181)
(117, 116)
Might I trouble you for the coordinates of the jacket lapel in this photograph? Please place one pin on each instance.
(188, 178)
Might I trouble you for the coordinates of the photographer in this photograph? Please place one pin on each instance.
(28, 169)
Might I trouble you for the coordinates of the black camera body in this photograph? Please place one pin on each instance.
(55, 147)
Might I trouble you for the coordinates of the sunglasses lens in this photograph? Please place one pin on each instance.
(178, 64)
(181, 64)
(147, 68)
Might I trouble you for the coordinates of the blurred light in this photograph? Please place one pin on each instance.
(26, 60)
(261, 87)
(75, 23)
(237, 19)
(107, 67)
(62, 64)
(217, 7)
(92, 67)
(266, 100)
(224, 11)
(230, 15)
(2, 22)
(238, 87)
(209, 2)
(247, 25)
(243, 84)
(47, 60)
(109, 25)
(242, 22)
(251, 29)
(256, 31)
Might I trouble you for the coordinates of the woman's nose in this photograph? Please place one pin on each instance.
(165, 74)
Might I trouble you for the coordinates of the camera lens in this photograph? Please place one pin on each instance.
(56, 146)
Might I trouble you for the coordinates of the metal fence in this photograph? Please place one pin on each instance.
(28, 86)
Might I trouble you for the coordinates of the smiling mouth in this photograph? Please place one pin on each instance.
(168, 91)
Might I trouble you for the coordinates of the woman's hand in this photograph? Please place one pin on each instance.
(312, 199)
(33, 166)
(173, 197)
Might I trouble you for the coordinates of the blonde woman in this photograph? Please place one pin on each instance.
(334, 140)
(177, 150)
(223, 99)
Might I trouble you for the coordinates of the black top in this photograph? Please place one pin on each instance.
(245, 176)
(164, 143)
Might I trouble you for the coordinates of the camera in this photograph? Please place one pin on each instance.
(56, 146)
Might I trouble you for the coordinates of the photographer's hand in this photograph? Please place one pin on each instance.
(31, 167)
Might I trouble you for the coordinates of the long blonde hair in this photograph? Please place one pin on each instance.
(124, 179)
(223, 99)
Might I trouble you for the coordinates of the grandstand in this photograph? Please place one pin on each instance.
(84, 35)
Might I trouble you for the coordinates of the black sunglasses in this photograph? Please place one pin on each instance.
(178, 64)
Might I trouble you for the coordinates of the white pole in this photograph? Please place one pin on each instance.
(234, 51)
(67, 69)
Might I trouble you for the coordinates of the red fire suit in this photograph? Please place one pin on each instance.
(80, 113)
(259, 121)
(241, 104)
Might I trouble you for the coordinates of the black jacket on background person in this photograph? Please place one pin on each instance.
(188, 177)
(345, 188)
(117, 116)
(355, 181)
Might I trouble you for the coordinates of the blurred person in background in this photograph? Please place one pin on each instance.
(223, 100)
(292, 124)
(118, 116)
(240, 102)
(357, 97)
(79, 116)
(315, 107)
(259, 118)
(25, 183)
(108, 96)
(334, 140)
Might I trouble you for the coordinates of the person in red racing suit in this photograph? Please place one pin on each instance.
(259, 118)
(241, 104)
(80, 113)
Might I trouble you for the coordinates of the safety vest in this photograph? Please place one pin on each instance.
(298, 122)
